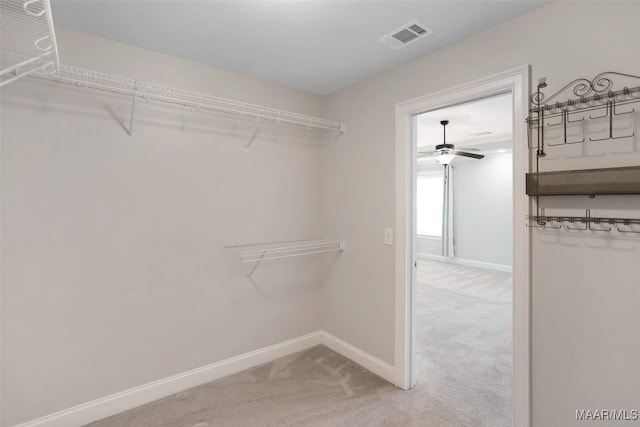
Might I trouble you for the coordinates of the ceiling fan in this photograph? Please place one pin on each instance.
(445, 153)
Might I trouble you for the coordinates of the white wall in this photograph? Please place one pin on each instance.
(429, 245)
(482, 212)
(585, 319)
(483, 209)
(114, 272)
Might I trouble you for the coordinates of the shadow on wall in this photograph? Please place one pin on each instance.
(274, 279)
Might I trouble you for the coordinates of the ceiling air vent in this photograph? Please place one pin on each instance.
(406, 34)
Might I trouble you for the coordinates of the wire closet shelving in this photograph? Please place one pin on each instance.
(26, 31)
(254, 253)
(29, 49)
(146, 91)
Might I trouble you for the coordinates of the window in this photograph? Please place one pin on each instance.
(429, 204)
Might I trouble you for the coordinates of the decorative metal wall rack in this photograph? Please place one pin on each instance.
(599, 98)
(254, 253)
(594, 99)
(26, 29)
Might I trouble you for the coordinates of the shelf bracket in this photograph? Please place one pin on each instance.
(251, 137)
(133, 112)
(250, 275)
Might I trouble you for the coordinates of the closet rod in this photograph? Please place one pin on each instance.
(146, 91)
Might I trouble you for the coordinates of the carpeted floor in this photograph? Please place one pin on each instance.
(464, 372)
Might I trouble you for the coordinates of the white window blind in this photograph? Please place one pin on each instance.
(429, 204)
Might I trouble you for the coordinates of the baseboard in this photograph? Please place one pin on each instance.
(488, 265)
(128, 399)
(373, 364)
(468, 262)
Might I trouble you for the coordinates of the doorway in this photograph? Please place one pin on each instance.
(463, 281)
(516, 83)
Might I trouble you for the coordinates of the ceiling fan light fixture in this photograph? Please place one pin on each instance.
(445, 159)
(444, 152)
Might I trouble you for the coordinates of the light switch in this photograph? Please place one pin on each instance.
(388, 236)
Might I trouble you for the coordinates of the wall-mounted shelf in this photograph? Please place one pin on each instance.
(585, 182)
(255, 253)
(26, 30)
(151, 92)
(600, 98)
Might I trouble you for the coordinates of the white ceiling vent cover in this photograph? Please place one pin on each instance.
(406, 34)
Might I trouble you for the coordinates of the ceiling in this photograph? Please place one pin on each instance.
(316, 46)
(486, 123)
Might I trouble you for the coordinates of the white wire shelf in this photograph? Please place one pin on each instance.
(255, 253)
(26, 30)
(152, 92)
(291, 250)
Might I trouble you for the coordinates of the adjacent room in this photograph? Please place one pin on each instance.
(464, 247)
(319, 213)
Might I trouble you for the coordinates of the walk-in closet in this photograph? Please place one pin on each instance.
(219, 213)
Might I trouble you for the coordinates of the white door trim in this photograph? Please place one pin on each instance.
(516, 80)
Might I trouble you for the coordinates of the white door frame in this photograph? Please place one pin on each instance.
(516, 80)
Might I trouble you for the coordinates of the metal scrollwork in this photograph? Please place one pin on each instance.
(583, 88)
(601, 96)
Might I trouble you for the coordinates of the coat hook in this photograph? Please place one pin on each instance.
(627, 223)
(574, 220)
(590, 221)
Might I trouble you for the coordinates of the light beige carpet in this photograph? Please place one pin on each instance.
(464, 369)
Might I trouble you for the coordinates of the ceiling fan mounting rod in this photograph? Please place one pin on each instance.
(444, 124)
(444, 144)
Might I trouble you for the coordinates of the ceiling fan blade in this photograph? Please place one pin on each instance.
(427, 153)
(465, 154)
